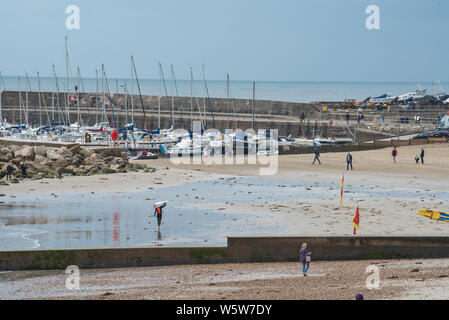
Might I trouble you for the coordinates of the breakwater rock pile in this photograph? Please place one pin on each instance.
(50, 162)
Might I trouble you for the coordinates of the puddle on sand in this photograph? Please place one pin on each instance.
(125, 219)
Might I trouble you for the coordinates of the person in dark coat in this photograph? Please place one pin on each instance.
(9, 170)
(348, 161)
(421, 155)
(24, 170)
(317, 156)
(304, 258)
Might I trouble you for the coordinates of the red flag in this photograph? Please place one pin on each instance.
(356, 220)
(341, 192)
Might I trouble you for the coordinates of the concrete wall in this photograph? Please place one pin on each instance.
(7, 142)
(109, 258)
(239, 249)
(360, 146)
(219, 105)
(258, 249)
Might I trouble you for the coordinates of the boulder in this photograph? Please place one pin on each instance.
(85, 152)
(26, 152)
(5, 151)
(53, 155)
(94, 159)
(40, 150)
(77, 160)
(39, 158)
(61, 162)
(66, 153)
(75, 149)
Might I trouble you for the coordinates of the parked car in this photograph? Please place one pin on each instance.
(441, 132)
(424, 135)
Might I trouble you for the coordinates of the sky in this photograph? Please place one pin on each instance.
(282, 40)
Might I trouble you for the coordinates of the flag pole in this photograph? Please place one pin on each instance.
(342, 184)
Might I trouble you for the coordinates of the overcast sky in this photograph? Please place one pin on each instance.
(282, 40)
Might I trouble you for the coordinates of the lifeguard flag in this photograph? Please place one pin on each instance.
(356, 220)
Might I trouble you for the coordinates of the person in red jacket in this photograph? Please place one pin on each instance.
(394, 154)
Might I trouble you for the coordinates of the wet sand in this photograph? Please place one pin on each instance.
(303, 199)
(342, 280)
(389, 195)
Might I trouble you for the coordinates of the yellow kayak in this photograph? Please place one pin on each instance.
(436, 215)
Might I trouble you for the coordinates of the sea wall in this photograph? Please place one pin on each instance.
(264, 249)
(239, 249)
(218, 105)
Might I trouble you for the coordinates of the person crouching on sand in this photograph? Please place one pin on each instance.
(304, 258)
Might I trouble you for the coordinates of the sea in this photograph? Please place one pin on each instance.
(290, 91)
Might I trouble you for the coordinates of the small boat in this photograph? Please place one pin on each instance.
(144, 155)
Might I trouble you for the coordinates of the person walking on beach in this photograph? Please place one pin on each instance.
(347, 118)
(348, 160)
(9, 170)
(394, 153)
(317, 156)
(304, 258)
(421, 155)
(24, 170)
(158, 212)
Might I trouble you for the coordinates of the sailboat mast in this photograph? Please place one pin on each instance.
(103, 93)
(227, 103)
(67, 80)
(159, 101)
(132, 90)
(254, 96)
(96, 97)
(39, 98)
(78, 95)
(26, 97)
(126, 105)
(208, 99)
(53, 103)
(204, 100)
(166, 93)
(117, 102)
(191, 99)
(172, 96)
(20, 101)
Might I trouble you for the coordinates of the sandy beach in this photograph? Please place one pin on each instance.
(342, 280)
(389, 195)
